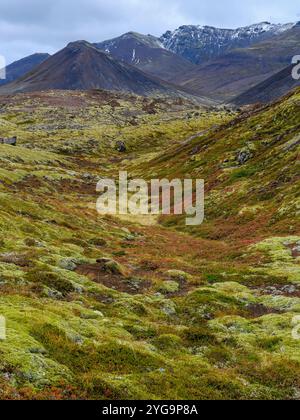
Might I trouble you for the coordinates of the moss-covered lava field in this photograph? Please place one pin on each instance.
(113, 308)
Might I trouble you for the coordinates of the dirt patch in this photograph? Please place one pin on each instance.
(257, 310)
(97, 273)
(76, 186)
(28, 184)
(20, 260)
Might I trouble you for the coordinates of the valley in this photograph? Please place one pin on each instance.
(99, 307)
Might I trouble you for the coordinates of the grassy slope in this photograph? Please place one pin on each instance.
(194, 321)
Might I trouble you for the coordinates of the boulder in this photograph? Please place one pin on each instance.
(243, 156)
(121, 147)
(12, 141)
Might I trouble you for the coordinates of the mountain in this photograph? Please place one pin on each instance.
(23, 66)
(272, 88)
(148, 54)
(228, 76)
(202, 43)
(81, 66)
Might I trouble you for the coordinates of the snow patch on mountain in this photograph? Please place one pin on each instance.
(201, 43)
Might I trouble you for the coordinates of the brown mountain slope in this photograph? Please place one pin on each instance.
(272, 88)
(147, 53)
(81, 66)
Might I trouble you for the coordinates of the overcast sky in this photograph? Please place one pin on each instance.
(28, 26)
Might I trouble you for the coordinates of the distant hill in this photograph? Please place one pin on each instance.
(81, 66)
(19, 68)
(148, 54)
(272, 88)
(234, 73)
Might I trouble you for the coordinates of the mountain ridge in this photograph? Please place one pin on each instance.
(81, 66)
(228, 76)
(148, 54)
(202, 43)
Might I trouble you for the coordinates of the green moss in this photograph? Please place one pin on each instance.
(50, 279)
(168, 287)
(168, 343)
(110, 357)
(71, 331)
(177, 275)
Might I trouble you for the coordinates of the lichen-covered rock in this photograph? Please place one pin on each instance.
(68, 264)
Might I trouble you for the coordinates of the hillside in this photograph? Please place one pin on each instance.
(269, 90)
(19, 68)
(81, 66)
(112, 308)
(148, 54)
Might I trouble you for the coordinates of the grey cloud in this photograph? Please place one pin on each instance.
(28, 26)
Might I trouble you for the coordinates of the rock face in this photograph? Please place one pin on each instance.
(12, 141)
(202, 43)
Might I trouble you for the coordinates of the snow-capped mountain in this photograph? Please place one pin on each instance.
(112, 46)
(148, 54)
(201, 43)
(227, 76)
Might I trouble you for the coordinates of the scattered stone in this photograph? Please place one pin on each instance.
(53, 294)
(36, 350)
(169, 308)
(76, 339)
(292, 144)
(244, 156)
(121, 147)
(12, 141)
(130, 238)
(68, 264)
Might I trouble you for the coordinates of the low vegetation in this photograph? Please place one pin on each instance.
(107, 308)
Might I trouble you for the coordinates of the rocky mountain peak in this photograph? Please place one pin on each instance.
(201, 43)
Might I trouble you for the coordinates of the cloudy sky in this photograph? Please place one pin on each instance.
(28, 26)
